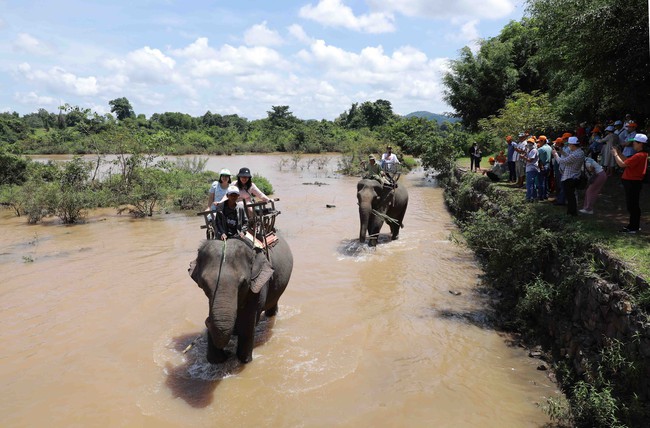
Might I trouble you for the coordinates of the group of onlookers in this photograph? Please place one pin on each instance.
(544, 166)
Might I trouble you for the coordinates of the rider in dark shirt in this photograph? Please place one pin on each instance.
(231, 216)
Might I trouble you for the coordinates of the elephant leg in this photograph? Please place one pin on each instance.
(216, 355)
(247, 320)
(394, 231)
(272, 311)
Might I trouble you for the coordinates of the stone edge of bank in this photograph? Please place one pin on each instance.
(601, 309)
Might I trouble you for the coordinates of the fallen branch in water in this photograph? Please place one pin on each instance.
(193, 342)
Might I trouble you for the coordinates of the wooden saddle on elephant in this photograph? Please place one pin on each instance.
(392, 171)
(261, 230)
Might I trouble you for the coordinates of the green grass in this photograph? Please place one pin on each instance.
(610, 215)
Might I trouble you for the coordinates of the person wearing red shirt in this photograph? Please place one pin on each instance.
(634, 170)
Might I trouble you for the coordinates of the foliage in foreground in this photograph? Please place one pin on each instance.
(145, 185)
(538, 262)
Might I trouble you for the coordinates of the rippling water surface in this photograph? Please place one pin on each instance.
(94, 318)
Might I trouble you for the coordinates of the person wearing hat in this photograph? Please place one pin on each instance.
(544, 152)
(571, 167)
(218, 189)
(501, 158)
(597, 179)
(634, 170)
(373, 170)
(626, 137)
(388, 164)
(595, 143)
(389, 158)
(609, 141)
(531, 156)
(520, 163)
(497, 170)
(231, 216)
(248, 189)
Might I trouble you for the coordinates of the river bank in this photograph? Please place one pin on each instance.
(565, 293)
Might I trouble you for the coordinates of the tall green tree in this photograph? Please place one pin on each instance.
(530, 112)
(122, 108)
(597, 50)
(280, 117)
(477, 85)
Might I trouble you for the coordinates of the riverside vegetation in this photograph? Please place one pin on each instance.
(143, 181)
(560, 288)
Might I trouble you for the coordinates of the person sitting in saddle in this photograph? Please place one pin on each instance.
(374, 171)
(231, 218)
(389, 164)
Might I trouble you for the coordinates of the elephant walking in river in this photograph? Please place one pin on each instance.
(379, 203)
(240, 284)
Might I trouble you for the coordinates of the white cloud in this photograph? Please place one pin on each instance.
(407, 74)
(298, 33)
(27, 43)
(32, 98)
(61, 81)
(230, 60)
(333, 13)
(467, 34)
(443, 9)
(261, 35)
(199, 49)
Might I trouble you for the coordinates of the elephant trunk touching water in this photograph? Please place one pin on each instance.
(376, 203)
(240, 284)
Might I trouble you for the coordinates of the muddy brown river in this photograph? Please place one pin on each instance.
(94, 318)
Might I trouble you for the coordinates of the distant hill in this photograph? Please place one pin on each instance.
(433, 116)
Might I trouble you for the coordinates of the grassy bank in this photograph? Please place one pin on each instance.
(602, 227)
(556, 291)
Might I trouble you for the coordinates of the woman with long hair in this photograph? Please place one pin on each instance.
(218, 189)
(248, 189)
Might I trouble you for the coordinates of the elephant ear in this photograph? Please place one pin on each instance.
(261, 272)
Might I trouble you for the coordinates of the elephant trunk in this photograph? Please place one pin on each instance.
(364, 218)
(223, 312)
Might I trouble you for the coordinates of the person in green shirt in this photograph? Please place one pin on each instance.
(373, 170)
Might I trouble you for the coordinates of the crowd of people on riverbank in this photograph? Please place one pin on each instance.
(558, 167)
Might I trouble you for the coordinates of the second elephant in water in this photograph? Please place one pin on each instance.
(379, 203)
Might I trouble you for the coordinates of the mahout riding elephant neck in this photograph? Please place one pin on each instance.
(240, 284)
(377, 202)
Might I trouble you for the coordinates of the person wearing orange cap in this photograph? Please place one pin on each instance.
(595, 144)
(532, 170)
(501, 157)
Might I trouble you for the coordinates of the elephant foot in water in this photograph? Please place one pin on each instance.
(216, 355)
(271, 312)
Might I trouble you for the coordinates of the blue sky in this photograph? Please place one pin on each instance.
(237, 57)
